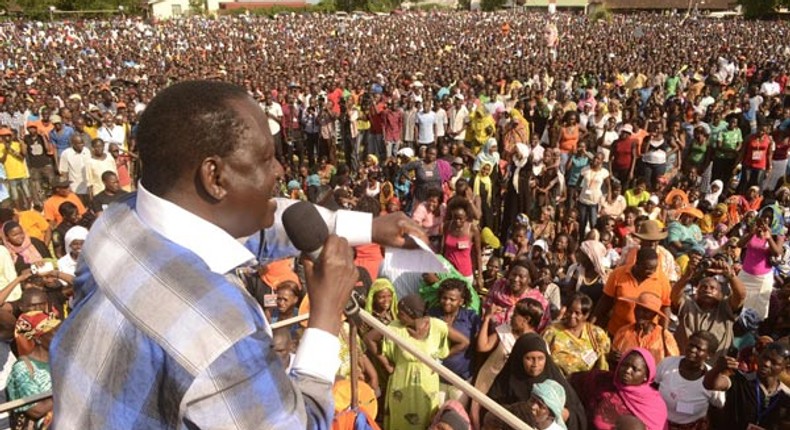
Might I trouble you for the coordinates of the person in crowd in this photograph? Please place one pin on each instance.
(517, 286)
(708, 310)
(763, 241)
(647, 331)
(628, 390)
(498, 340)
(73, 241)
(543, 410)
(461, 243)
(96, 166)
(430, 215)
(530, 363)
(25, 250)
(628, 282)
(382, 301)
(31, 375)
(753, 400)
(454, 298)
(575, 344)
(426, 175)
(684, 234)
(589, 274)
(680, 381)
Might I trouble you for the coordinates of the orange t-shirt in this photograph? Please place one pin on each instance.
(569, 140)
(622, 284)
(52, 204)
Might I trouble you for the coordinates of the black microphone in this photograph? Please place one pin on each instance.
(306, 229)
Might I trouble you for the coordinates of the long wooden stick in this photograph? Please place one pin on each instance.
(485, 401)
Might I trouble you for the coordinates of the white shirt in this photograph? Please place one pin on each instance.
(72, 163)
(277, 111)
(458, 122)
(113, 134)
(687, 401)
(318, 353)
(769, 88)
(441, 121)
(425, 127)
(67, 264)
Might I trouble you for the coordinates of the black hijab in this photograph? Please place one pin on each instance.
(513, 385)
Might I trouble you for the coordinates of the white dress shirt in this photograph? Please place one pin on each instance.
(318, 352)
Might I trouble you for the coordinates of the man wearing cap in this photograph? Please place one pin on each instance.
(646, 331)
(630, 281)
(60, 136)
(650, 234)
(60, 194)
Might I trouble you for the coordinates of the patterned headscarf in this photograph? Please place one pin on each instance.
(31, 326)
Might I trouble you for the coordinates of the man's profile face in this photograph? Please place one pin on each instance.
(250, 173)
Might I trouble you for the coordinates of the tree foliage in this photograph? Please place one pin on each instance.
(36, 6)
(491, 5)
(760, 9)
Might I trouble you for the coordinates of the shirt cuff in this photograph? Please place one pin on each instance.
(356, 227)
(318, 355)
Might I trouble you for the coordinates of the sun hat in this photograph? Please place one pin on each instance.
(647, 300)
(696, 213)
(650, 230)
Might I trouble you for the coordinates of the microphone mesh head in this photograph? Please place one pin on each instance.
(305, 227)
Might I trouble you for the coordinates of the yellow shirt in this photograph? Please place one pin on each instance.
(33, 223)
(15, 168)
(93, 132)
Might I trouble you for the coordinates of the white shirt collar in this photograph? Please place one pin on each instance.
(219, 250)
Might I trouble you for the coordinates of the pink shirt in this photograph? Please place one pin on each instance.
(458, 250)
(427, 220)
(756, 260)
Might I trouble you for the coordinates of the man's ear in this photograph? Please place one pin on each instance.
(209, 177)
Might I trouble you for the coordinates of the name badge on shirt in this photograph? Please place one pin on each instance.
(464, 244)
(429, 173)
(269, 300)
(590, 357)
(757, 155)
(685, 408)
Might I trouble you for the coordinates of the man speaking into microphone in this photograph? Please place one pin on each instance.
(162, 335)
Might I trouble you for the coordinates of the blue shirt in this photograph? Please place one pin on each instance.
(62, 140)
(467, 322)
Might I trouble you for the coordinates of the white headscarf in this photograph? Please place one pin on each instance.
(75, 233)
(519, 160)
(485, 156)
(713, 198)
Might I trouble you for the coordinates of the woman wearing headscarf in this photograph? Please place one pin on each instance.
(481, 127)
(518, 196)
(30, 375)
(25, 250)
(485, 186)
(452, 415)
(710, 220)
(489, 154)
(74, 239)
(716, 189)
(516, 131)
(529, 364)
(382, 301)
(764, 241)
(588, 275)
(626, 391)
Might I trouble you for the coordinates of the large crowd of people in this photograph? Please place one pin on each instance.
(610, 200)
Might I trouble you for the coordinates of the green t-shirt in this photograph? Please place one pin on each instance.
(730, 139)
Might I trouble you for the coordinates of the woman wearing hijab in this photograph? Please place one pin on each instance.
(516, 132)
(716, 189)
(626, 391)
(481, 127)
(518, 196)
(489, 154)
(588, 275)
(25, 250)
(74, 239)
(530, 364)
(451, 416)
(485, 186)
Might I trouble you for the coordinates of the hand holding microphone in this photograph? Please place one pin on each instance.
(328, 263)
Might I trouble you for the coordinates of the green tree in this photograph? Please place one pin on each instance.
(491, 5)
(760, 9)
